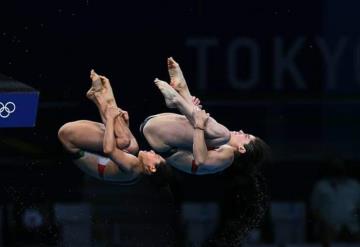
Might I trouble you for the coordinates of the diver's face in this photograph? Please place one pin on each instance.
(239, 138)
(150, 159)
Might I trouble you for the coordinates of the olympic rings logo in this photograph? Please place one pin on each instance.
(7, 109)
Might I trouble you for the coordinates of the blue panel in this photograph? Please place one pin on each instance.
(18, 109)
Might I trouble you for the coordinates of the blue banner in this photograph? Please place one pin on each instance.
(18, 109)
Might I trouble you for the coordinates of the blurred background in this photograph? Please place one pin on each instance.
(287, 71)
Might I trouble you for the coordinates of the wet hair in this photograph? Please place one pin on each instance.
(244, 210)
(257, 151)
(247, 198)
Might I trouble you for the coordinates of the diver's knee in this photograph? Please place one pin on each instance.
(65, 132)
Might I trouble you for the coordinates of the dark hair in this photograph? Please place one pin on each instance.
(244, 210)
(247, 196)
(257, 151)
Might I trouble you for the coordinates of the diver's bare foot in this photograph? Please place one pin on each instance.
(177, 80)
(96, 81)
(107, 91)
(100, 88)
(90, 94)
(96, 86)
(168, 92)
